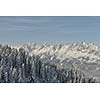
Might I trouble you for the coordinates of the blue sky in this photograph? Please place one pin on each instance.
(50, 29)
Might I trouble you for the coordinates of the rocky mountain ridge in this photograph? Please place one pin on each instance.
(75, 63)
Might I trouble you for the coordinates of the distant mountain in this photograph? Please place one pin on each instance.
(50, 63)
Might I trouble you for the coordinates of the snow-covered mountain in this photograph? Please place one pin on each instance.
(82, 57)
(87, 52)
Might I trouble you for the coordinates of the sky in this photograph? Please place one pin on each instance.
(50, 29)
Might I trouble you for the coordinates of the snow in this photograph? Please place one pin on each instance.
(54, 63)
(63, 51)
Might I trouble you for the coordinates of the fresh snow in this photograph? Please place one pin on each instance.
(74, 62)
(88, 52)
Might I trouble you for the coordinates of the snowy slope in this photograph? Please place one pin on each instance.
(73, 62)
(81, 51)
(80, 56)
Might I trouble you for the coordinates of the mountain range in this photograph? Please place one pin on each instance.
(50, 63)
